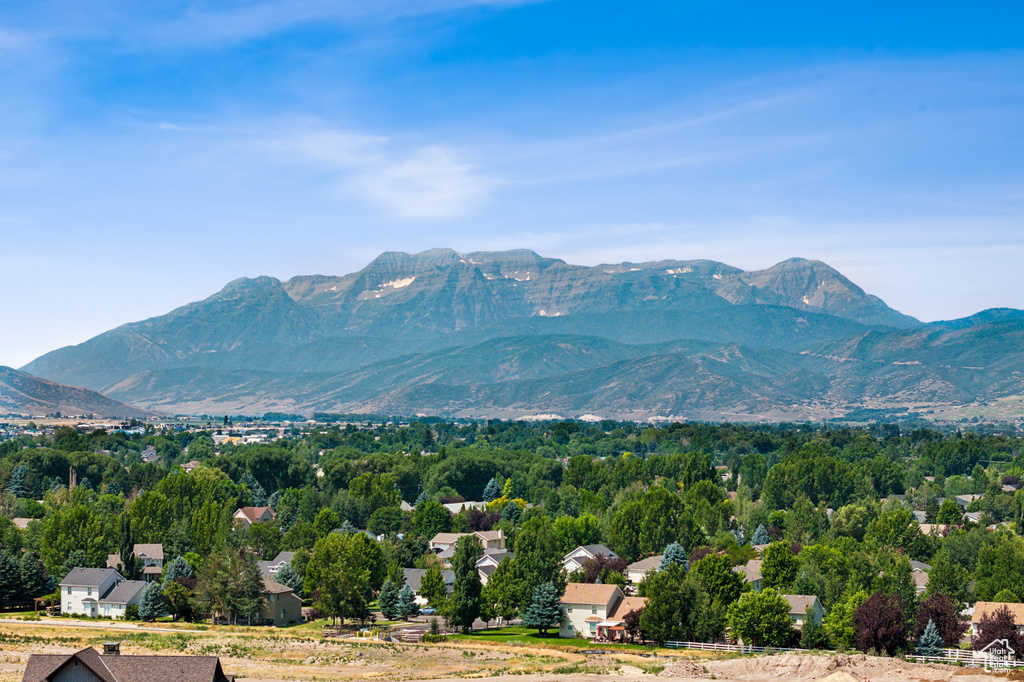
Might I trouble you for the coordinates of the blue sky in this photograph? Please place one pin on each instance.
(151, 152)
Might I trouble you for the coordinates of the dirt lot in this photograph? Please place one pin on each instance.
(261, 655)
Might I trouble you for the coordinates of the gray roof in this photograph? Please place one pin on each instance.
(282, 558)
(125, 591)
(594, 550)
(799, 603)
(41, 667)
(920, 566)
(414, 578)
(88, 577)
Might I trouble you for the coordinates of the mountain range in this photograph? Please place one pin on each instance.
(24, 394)
(513, 334)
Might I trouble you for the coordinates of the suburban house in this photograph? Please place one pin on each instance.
(751, 572)
(455, 507)
(246, 516)
(189, 467)
(636, 571)
(490, 539)
(281, 605)
(575, 559)
(151, 556)
(149, 455)
(21, 522)
(414, 579)
(98, 592)
(488, 563)
(270, 568)
(802, 607)
(493, 557)
(983, 608)
(919, 572)
(965, 500)
(88, 665)
(125, 594)
(591, 610)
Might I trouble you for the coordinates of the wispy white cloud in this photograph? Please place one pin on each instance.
(431, 183)
(428, 182)
(192, 24)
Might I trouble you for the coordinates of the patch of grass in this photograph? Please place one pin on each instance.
(523, 636)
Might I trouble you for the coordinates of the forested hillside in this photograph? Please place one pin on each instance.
(839, 504)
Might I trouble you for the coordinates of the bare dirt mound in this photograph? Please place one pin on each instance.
(834, 668)
(685, 669)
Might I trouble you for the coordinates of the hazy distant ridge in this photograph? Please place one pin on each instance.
(512, 332)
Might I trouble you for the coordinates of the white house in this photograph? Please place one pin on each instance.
(98, 592)
(488, 563)
(636, 571)
(575, 559)
(124, 594)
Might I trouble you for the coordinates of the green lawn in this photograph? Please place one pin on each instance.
(517, 634)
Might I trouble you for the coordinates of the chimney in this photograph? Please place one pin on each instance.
(111, 648)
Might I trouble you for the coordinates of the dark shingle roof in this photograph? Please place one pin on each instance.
(414, 577)
(125, 591)
(41, 667)
(88, 577)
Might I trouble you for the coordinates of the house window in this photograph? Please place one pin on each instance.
(89, 592)
(69, 590)
(593, 610)
(282, 614)
(569, 609)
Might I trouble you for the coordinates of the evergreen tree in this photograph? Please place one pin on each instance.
(545, 610)
(511, 513)
(930, 643)
(34, 582)
(18, 483)
(130, 565)
(152, 605)
(387, 600)
(492, 491)
(761, 536)
(407, 606)
(248, 594)
(179, 568)
(289, 577)
(275, 500)
(675, 555)
(423, 497)
(77, 558)
(464, 606)
(256, 491)
(11, 591)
